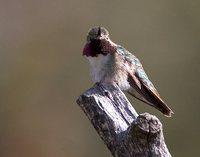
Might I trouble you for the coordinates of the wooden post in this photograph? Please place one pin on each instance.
(125, 133)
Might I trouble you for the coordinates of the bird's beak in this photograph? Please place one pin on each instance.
(100, 37)
(99, 31)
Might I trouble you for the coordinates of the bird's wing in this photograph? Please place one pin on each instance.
(142, 88)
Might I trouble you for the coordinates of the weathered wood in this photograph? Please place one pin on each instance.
(124, 132)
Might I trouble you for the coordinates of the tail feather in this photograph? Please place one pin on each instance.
(159, 103)
(145, 94)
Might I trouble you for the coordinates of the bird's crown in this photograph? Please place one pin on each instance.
(97, 33)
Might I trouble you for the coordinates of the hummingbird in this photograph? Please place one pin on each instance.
(111, 63)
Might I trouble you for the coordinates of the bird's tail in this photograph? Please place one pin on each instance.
(153, 100)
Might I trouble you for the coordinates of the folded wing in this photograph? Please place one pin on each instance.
(144, 90)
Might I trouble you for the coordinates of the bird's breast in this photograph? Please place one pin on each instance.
(110, 69)
(99, 67)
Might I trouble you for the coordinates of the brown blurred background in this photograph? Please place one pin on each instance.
(42, 71)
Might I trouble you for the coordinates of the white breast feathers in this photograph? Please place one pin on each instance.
(98, 67)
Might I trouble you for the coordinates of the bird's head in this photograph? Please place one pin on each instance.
(98, 42)
(97, 33)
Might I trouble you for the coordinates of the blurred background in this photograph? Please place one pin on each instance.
(42, 71)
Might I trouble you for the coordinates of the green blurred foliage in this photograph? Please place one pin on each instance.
(43, 71)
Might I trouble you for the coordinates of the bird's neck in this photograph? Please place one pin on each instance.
(97, 47)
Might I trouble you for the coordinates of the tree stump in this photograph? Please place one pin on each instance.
(125, 133)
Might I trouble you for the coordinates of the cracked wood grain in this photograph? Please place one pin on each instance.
(125, 133)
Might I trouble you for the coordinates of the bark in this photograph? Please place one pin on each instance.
(125, 133)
